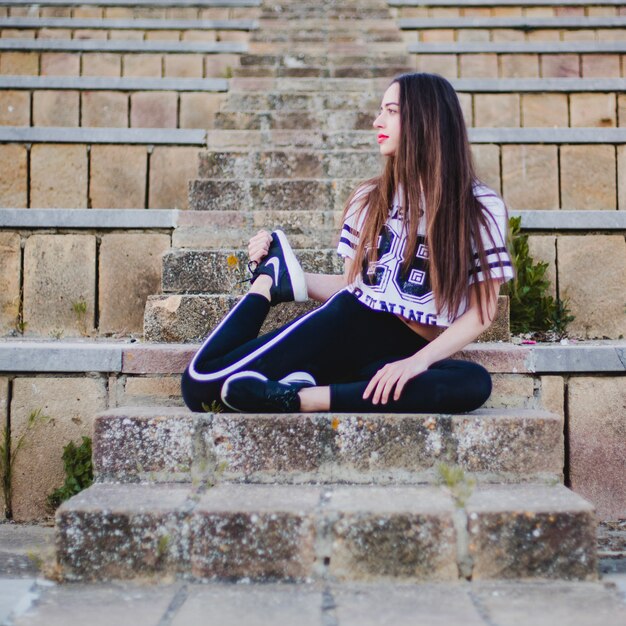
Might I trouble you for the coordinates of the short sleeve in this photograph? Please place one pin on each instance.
(493, 239)
(350, 231)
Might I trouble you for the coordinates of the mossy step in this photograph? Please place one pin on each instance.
(162, 444)
(324, 194)
(298, 163)
(276, 532)
(222, 271)
(188, 318)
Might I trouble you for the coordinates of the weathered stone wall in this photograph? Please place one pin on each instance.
(593, 406)
(78, 284)
(84, 176)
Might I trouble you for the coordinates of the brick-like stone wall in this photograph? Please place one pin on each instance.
(78, 284)
(109, 176)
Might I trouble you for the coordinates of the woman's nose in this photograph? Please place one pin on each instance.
(377, 123)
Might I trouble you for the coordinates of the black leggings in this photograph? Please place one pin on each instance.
(342, 344)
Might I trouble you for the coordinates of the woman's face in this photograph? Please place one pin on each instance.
(388, 121)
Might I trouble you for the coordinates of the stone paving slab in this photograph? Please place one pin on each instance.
(169, 444)
(347, 604)
(23, 548)
(267, 532)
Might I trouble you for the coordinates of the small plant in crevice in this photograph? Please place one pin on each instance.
(9, 452)
(80, 311)
(78, 472)
(533, 309)
(459, 485)
(213, 407)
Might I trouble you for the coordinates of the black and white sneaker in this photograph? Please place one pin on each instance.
(251, 392)
(281, 265)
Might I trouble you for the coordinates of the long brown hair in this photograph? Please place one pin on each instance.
(433, 167)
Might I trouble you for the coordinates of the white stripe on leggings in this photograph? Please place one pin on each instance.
(253, 355)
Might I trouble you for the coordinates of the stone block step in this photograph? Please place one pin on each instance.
(269, 194)
(188, 318)
(310, 60)
(171, 445)
(362, 139)
(263, 532)
(223, 229)
(287, 164)
(324, 71)
(366, 99)
(293, 120)
(222, 271)
(369, 88)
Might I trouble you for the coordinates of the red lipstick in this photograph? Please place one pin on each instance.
(382, 138)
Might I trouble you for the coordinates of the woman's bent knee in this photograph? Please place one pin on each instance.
(198, 395)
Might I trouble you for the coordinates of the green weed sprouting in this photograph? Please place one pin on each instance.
(78, 472)
(533, 309)
(9, 454)
(80, 311)
(454, 478)
(213, 407)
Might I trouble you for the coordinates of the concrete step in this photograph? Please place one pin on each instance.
(188, 318)
(293, 120)
(273, 532)
(223, 229)
(287, 164)
(222, 271)
(323, 71)
(171, 445)
(323, 59)
(350, 88)
(322, 194)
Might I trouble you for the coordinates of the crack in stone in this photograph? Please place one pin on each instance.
(175, 605)
(481, 609)
(464, 561)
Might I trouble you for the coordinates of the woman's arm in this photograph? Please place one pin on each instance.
(323, 286)
(460, 333)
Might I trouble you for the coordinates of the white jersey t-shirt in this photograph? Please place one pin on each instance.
(386, 287)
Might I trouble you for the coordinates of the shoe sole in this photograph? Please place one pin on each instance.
(234, 377)
(296, 274)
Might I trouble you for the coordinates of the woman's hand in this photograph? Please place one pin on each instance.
(395, 374)
(259, 246)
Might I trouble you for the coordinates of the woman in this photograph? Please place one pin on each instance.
(425, 254)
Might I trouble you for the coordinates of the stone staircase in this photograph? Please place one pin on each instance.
(345, 497)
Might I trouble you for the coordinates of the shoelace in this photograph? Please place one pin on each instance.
(251, 264)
